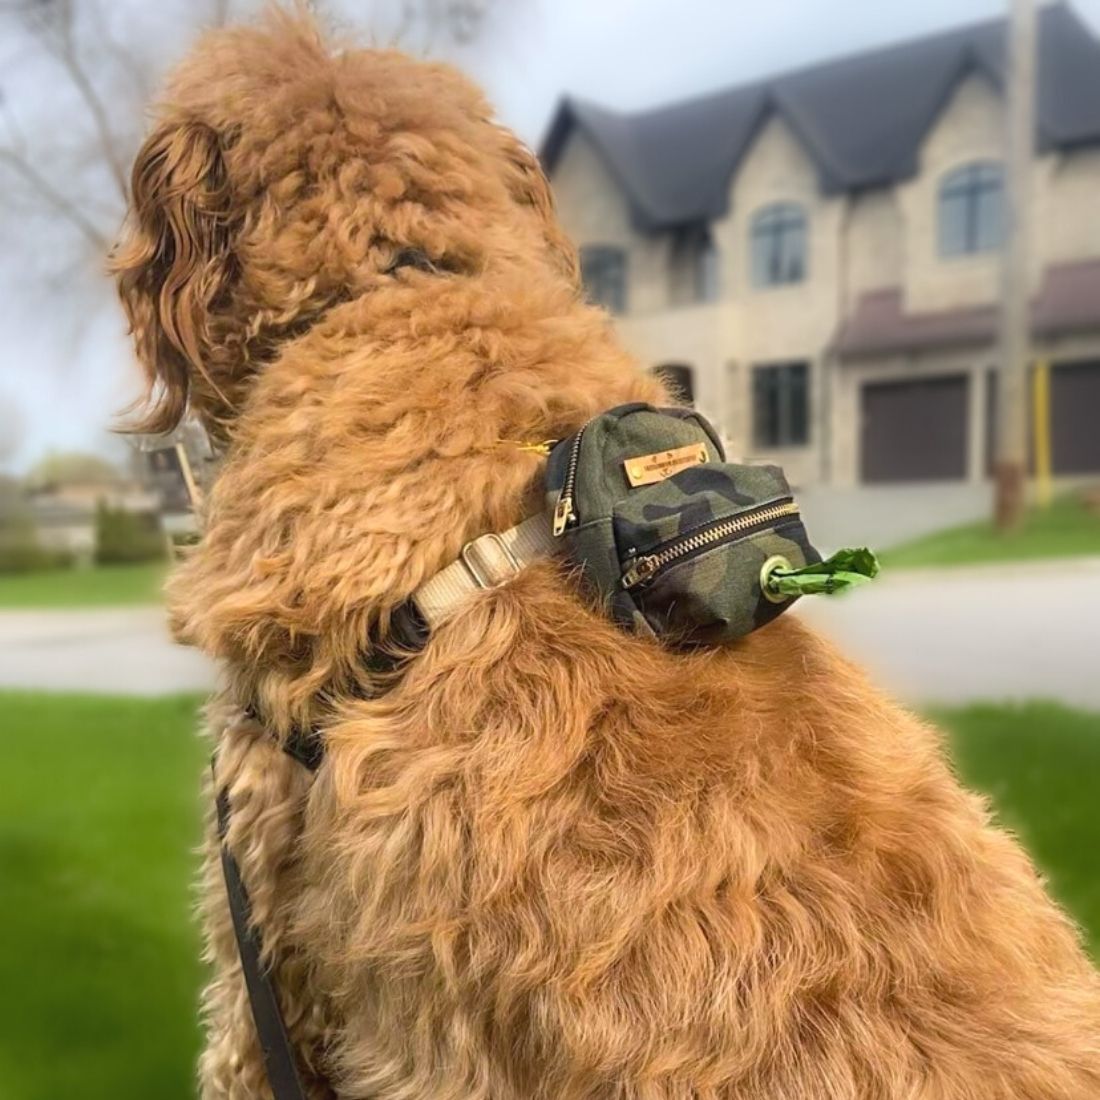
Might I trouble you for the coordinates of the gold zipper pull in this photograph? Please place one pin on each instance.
(563, 515)
(641, 570)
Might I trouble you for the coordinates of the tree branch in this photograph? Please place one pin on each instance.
(54, 198)
(137, 76)
(54, 27)
(115, 162)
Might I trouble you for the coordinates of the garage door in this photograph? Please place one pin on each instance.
(914, 431)
(1075, 417)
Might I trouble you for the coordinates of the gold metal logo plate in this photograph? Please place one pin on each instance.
(649, 469)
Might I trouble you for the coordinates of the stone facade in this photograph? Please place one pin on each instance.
(876, 239)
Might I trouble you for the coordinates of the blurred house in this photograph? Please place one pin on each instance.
(65, 527)
(63, 502)
(815, 256)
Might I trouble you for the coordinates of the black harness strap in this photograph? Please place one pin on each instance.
(279, 1060)
(408, 634)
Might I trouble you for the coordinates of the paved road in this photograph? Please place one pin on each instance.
(947, 636)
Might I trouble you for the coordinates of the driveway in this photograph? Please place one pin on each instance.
(1005, 632)
(886, 515)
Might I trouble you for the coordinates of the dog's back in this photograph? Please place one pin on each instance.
(556, 863)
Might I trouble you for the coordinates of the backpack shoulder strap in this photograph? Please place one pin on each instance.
(279, 1059)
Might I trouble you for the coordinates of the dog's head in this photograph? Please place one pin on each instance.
(353, 276)
(283, 179)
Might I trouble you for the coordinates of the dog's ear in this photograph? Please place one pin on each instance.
(529, 187)
(175, 267)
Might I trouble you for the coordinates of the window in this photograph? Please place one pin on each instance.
(679, 378)
(693, 267)
(971, 210)
(781, 405)
(603, 272)
(779, 245)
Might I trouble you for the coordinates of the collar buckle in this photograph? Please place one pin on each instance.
(489, 560)
(484, 562)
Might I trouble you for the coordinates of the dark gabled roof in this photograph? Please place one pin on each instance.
(861, 118)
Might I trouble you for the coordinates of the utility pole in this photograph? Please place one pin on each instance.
(1015, 335)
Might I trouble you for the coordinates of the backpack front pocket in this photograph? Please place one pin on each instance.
(691, 549)
(711, 536)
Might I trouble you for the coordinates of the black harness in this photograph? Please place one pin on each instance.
(408, 634)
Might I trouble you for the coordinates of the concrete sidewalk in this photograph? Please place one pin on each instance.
(124, 651)
(950, 635)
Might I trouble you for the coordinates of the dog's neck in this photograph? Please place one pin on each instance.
(360, 469)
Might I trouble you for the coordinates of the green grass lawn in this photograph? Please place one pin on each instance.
(99, 819)
(1066, 529)
(1040, 762)
(101, 586)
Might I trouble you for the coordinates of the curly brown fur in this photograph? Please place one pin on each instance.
(553, 861)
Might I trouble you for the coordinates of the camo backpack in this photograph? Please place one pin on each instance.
(677, 542)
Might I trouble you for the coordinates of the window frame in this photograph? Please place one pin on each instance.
(974, 193)
(779, 227)
(605, 256)
(785, 394)
(693, 267)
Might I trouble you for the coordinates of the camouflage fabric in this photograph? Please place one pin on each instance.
(712, 526)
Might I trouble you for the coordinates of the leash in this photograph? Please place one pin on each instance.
(280, 1062)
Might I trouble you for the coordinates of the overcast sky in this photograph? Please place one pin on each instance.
(68, 368)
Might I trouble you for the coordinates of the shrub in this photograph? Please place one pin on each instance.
(124, 537)
(31, 558)
(20, 550)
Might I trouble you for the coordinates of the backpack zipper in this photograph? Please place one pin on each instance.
(564, 516)
(644, 568)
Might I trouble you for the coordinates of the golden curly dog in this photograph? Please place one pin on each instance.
(552, 860)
